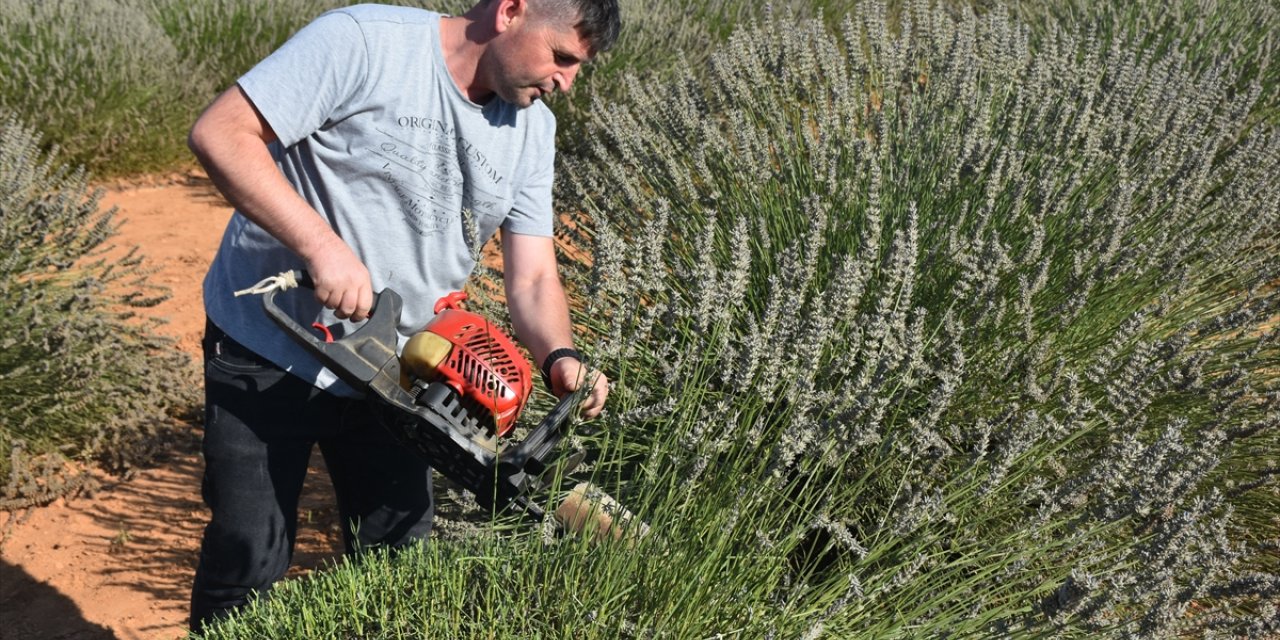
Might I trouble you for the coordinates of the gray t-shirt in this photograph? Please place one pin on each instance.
(376, 136)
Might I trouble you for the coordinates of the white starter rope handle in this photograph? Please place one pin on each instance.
(285, 281)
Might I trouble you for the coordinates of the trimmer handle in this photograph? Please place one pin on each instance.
(358, 357)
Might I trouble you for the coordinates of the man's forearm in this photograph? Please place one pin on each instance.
(540, 316)
(540, 312)
(230, 141)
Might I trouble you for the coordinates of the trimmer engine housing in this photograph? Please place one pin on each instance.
(483, 366)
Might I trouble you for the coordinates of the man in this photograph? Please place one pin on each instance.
(380, 147)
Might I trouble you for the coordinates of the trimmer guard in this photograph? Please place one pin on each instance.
(431, 424)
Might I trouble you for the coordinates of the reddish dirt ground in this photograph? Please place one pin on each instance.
(117, 564)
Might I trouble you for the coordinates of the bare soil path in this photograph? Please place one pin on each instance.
(117, 564)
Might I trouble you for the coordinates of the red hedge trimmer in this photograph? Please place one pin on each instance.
(456, 388)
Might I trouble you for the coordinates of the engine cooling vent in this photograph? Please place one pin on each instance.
(484, 363)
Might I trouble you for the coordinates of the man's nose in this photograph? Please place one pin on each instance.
(564, 79)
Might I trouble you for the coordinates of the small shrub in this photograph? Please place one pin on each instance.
(80, 378)
(99, 79)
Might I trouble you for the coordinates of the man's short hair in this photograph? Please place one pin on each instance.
(598, 20)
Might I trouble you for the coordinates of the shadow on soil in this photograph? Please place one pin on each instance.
(32, 609)
(157, 518)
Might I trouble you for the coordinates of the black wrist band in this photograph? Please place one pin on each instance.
(551, 359)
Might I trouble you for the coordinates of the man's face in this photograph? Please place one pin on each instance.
(535, 58)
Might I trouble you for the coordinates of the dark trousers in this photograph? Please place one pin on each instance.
(261, 423)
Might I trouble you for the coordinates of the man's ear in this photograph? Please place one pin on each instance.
(508, 13)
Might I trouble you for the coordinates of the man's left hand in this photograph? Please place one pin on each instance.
(568, 374)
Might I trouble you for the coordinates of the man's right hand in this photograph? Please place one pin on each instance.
(341, 279)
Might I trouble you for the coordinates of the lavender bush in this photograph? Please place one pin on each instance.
(1015, 310)
(99, 78)
(80, 377)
